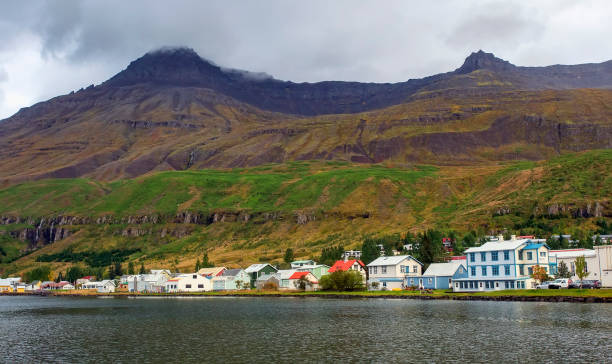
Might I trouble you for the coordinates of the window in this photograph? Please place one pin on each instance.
(506, 254)
(188, 286)
(495, 270)
(497, 284)
(472, 257)
(430, 280)
(480, 284)
(487, 284)
(403, 268)
(530, 270)
(471, 284)
(473, 269)
(507, 284)
(383, 269)
(543, 254)
(457, 285)
(450, 282)
(484, 270)
(195, 276)
(200, 286)
(507, 270)
(412, 281)
(414, 268)
(529, 255)
(521, 270)
(384, 284)
(494, 256)
(375, 270)
(483, 257)
(512, 284)
(520, 255)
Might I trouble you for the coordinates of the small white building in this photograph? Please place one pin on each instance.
(568, 256)
(390, 272)
(191, 282)
(106, 286)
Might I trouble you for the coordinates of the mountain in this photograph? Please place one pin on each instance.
(173, 110)
(174, 156)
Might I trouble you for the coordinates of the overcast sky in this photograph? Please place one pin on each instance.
(49, 48)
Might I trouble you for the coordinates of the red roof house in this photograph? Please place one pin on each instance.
(341, 265)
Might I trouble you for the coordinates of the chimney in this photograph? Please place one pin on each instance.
(512, 237)
(500, 237)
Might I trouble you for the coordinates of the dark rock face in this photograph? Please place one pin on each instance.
(481, 60)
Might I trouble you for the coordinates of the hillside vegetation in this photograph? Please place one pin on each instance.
(244, 215)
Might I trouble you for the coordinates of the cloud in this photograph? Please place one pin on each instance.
(51, 48)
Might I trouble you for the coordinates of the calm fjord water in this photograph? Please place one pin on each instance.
(214, 329)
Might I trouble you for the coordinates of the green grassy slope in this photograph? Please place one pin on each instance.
(342, 203)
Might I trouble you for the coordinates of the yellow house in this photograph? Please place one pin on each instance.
(6, 286)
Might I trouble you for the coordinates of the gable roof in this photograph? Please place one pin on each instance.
(231, 272)
(443, 269)
(213, 271)
(498, 245)
(286, 273)
(265, 277)
(341, 265)
(298, 275)
(392, 260)
(534, 246)
(257, 267)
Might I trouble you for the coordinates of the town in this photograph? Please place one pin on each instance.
(521, 262)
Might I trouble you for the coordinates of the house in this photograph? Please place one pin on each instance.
(568, 256)
(268, 281)
(257, 270)
(64, 285)
(84, 280)
(151, 282)
(390, 272)
(297, 279)
(212, 271)
(351, 254)
(439, 275)
(498, 265)
(603, 266)
(346, 265)
(34, 286)
(318, 270)
(447, 243)
(300, 263)
(6, 285)
(231, 279)
(283, 276)
(106, 286)
(191, 282)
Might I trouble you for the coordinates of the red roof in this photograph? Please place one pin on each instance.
(344, 266)
(298, 275)
(460, 257)
(88, 277)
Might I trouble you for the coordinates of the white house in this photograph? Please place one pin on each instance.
(232, 279)
(389, 272)
(191, 282)
(439, 275)
(300, 263)
(106, 286)
(498, 265)
(152, 282)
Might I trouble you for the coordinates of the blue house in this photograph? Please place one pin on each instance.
(439, 275)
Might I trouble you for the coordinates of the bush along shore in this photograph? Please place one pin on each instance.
(566, 295)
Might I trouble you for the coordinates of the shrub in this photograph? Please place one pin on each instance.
(342, 281)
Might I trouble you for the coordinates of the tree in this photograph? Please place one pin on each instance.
(142, 269)
(205, 263)
(539, 274)
(563, 242)
(110, 273)
(330, 255)
(60, 277)
(130, 270)
(197, 265)
(350, 280)
(563, 271)
(507, 235)
(369, 251)
(429, 247)
(42, 273)
(288, 255)
(118, 271)
(75, 272)
(581, 268)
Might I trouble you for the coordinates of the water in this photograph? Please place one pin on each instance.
(214, 329)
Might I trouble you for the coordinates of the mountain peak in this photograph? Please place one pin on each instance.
(483, 60)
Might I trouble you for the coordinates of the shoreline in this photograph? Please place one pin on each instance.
(576, 298)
